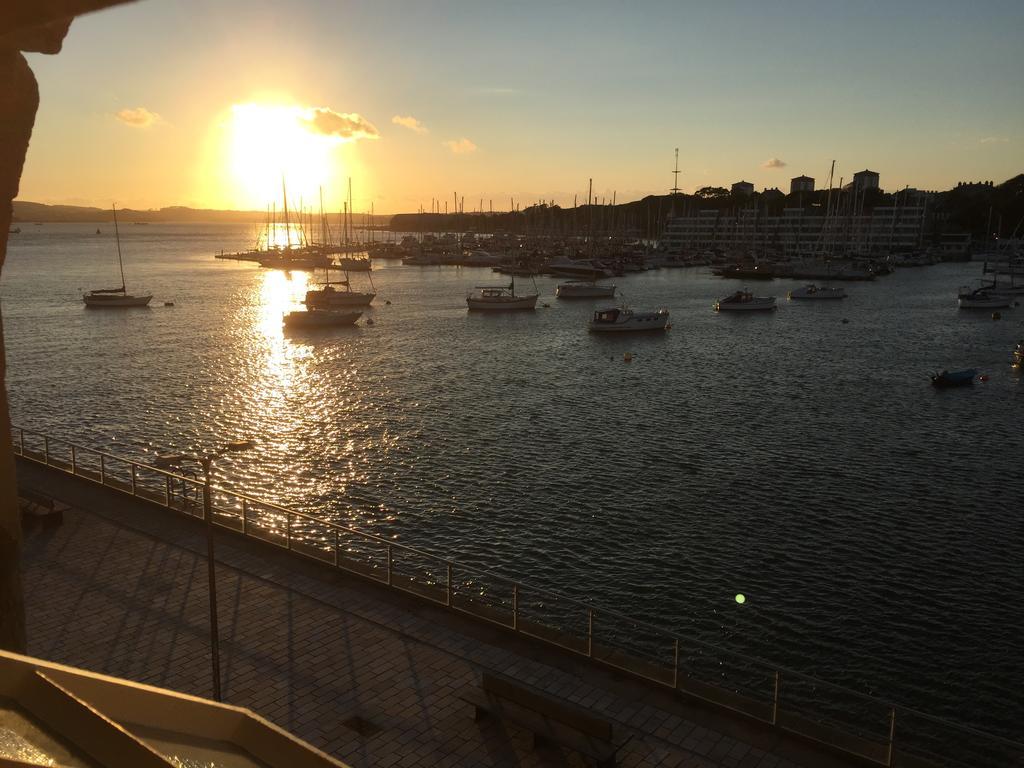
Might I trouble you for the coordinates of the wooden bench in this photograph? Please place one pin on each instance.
(40, 509)
(549, 719)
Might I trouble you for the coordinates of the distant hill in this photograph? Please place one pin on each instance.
(25, 211)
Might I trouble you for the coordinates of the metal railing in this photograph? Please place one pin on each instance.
(791, 701)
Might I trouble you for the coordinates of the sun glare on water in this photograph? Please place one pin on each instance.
(268, 143)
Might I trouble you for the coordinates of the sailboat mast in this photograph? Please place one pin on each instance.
(117, 236)
(287, 226)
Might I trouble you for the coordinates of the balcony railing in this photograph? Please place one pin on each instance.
(876, 730)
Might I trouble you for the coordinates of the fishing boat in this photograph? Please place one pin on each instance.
(983, 298)
(329, 297)
(498, 298)
(116, 298)
(320, 318)
(954, 378)
(744, 301)
(814, 292)
(623, 319)
(584, 289)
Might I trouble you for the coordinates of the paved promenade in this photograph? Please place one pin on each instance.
(360, 672)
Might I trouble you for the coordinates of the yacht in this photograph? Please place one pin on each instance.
(622, 319)
(814, 292)
(116, 298)
(497, 298)
(329, 297)
(320, 318)
(744, 301)
(582, 270)
(584, 289)
(983, 298)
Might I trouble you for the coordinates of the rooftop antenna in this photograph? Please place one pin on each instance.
(675, 175)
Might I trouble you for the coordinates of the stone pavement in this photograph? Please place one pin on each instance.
(361, 672)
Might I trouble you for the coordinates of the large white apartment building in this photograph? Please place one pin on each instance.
(797, 231)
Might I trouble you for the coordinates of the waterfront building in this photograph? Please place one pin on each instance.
(798, 231)
(865, 180)
(801, 184)
(743, 188)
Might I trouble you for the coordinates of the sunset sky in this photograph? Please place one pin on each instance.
(207, 104)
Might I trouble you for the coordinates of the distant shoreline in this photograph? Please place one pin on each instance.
(26, 212)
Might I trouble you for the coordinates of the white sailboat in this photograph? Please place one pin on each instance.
(116, 298)
(500, 297)
(329, 297)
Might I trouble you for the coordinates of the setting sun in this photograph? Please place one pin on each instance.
(268, 143)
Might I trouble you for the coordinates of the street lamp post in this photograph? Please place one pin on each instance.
(206, 463)
(211, 559)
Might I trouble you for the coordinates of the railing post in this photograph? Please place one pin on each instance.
(892, 736)
(448, 591)
(515, 607)
(133, 479)
(335, 547)
(775, 697)
(675, 664)
(167, 491)
(245, 518)
(46, 450)
(74, 460)
(21, 441)
(288, 530)
(103, 469)
(389, 566)
(590, 633)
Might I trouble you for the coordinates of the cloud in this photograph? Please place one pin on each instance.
(461, 146)
(140, 117)
(773, 162)
(410, 122)
(340, 125)
(994, 140)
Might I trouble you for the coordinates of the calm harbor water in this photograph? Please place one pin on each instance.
(872, 523)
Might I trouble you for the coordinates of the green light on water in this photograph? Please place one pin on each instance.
(741, 598)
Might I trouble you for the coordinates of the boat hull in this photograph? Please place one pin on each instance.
(750, 306)
(116, 302)
(584, 291)
(334, 299)
(814, 293)
(501, 303)
(320, 318)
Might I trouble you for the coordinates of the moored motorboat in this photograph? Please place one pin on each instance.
(623, 319)
(954, 378)
(320, 318)
(584, 289)
(813, 291)
(744, 301)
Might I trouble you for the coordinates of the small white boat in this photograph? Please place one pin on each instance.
(329, 297)
(115, 298)
(320, 318)
(622, 319)
(500, 298)
(744, 301)
(584, 289)
(814, 292)
(983, 298)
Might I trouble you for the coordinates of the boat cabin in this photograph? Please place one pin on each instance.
(607, 315)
